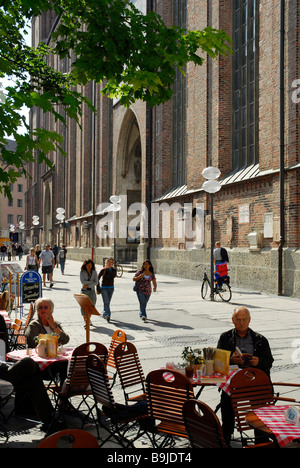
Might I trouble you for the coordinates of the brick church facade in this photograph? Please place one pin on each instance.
(239, 113)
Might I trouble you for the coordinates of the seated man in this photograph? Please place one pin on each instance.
(250, 342)
(25, 376)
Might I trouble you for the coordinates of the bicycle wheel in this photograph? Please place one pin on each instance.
(119, 270)
(205, 289)
(225, 292)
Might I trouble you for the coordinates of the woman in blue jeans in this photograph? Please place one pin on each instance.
(108, 274)
(143, 277)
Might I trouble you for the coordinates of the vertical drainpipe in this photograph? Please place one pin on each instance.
(282, 136)
(93, 84)
(149, 177)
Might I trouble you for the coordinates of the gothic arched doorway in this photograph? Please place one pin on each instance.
(128, 184)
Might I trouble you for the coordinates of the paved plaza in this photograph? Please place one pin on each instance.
(177, 317)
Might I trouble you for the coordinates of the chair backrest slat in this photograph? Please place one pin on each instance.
(119, 336)
(96, 371)
(29, 315)
(77, 379)
(166, 396)
(250, 389)
(77, 438)
(129, 367)
(202, 425)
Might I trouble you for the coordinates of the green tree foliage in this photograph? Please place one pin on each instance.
(109, 41)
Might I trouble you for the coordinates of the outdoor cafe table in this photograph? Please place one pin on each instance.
(42, 362)
(271, 420)
(210, 381)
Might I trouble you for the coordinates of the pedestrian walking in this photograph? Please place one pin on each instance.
(14, 252)
(48, 263)
(55, 251)
(9, 252)
(89, 281)
(20, 251)
(32, 262)
(143, 288)
(3, 250)
(38, 251)
(108, 274)
(62, 258)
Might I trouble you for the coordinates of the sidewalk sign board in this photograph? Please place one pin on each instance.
(30, 286)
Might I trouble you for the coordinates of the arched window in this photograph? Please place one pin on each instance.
(245, 83)
(179, 107)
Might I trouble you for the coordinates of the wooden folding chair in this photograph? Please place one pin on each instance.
(70, 438)
(202, 425)
(165, 400)
(77, 382)
(130, 372)
(250, 389)
(119, 336)
(18, 338)
(30, 316)
(121, 419)
(289, 389)
(13, 336)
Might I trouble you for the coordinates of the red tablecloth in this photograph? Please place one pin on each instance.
(42, 362)
(273, 417)
(223, 385)
(226, 385)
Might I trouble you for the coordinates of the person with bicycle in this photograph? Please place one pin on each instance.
(220, 254)
(220, 258)
(108, 274)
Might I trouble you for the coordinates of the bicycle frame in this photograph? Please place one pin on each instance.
(223, 289)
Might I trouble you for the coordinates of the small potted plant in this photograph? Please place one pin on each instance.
(198, 359)
(192, 359)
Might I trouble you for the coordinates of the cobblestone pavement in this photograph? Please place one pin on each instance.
(177, 317)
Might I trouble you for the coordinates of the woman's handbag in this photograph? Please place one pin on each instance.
(136, 285)
(98, 289)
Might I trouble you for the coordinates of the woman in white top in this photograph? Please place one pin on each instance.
(89, 281)
(32, 262)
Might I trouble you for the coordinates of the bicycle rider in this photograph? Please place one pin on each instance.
(220, 256)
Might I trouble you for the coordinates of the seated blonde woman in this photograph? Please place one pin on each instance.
(45, 324)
